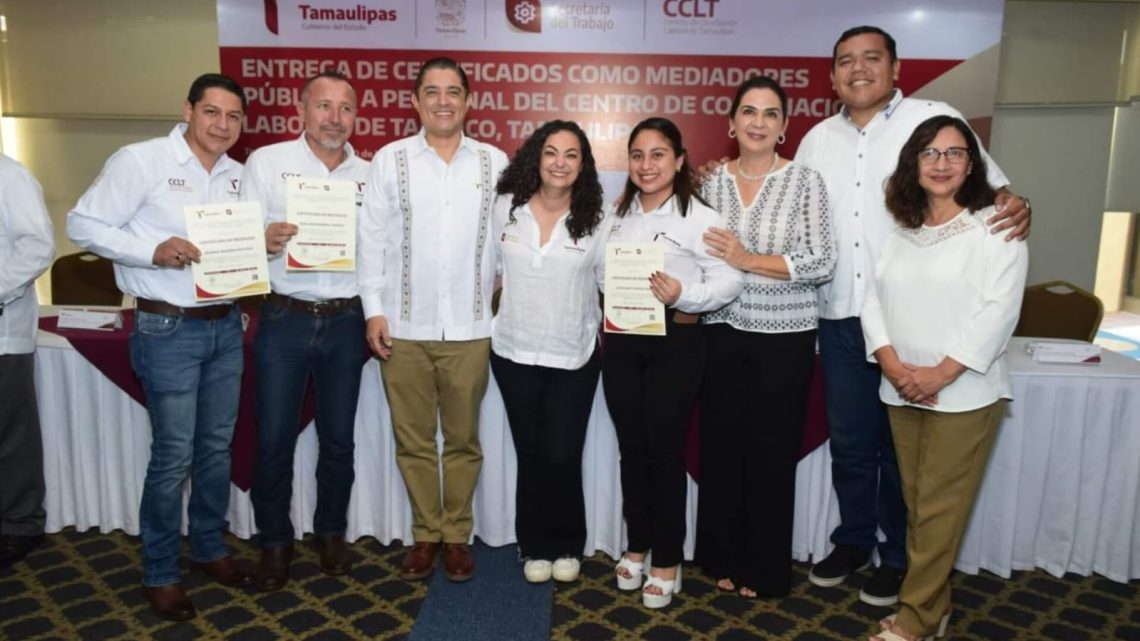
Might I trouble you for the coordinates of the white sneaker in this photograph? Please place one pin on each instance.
(537, 570)
(566, 569)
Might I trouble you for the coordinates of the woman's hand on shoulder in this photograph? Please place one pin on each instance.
(725, 245)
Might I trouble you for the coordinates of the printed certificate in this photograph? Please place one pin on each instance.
(631, 307)
(231, 238)
(325, 213)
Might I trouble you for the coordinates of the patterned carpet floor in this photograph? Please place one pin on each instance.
(86, 586)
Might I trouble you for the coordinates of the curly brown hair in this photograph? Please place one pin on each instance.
(907, 200)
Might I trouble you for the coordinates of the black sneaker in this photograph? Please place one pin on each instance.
(14, 548)
(843, 561)
(882, 589)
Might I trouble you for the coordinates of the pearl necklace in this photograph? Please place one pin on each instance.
(747, 176)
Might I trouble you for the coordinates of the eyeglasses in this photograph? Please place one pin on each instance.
(954, 155)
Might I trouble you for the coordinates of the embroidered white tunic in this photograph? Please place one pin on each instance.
(789, 217)
(425, 259)
(952, 290)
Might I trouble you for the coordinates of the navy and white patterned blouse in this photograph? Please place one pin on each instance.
(789, 217)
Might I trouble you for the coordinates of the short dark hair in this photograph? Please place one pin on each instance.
(521, 179)
(330, 74)
(684, 182)
(858, 31)
(210, 80)
(759, 82)
(907, 200)
(442, 62)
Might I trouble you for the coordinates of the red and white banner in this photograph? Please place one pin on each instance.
(606, 64)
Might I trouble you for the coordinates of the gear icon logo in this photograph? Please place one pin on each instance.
(525, 15)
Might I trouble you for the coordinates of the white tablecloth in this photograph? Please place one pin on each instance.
(1061, 492)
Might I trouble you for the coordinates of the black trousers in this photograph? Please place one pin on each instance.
(753, 404)
(21, 449)
(549, 411)
(651, 383)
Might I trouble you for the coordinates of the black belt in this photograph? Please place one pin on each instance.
(330, 307)
(685, 318)
(207, 312)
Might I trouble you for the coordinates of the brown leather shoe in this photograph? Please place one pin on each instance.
(334, 555)
(229, 571)
(419, 561)
(170, 602)
(458, 562)
(273, 568)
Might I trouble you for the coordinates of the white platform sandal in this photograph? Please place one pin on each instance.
(886, 622)
(668, 588)
(636, 570)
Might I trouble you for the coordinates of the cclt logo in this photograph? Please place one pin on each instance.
(271, 15)
(525, 15)
(690, 8)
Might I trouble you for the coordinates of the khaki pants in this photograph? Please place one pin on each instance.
(423, 380)
(942, 457)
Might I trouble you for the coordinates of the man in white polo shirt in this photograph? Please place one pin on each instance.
(856, 150)
(187, 355)
(427, 266)
(26, 250)
(312, 325)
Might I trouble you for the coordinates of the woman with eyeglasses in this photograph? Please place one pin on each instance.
(651, 381)
(944, 303)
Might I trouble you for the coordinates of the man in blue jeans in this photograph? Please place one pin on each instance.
(187, 355)
(312, 325)
(856, 150)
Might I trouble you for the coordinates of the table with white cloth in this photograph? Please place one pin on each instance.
(1061, 492)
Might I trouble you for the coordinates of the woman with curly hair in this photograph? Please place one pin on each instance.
(945, 300)
(548, 224)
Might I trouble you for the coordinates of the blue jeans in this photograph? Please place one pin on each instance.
(190, 371)
(863, 465)
(290, 347)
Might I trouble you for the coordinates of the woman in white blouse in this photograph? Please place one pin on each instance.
(944, 303)
(651, 382)
(549, 227)
(776, 229)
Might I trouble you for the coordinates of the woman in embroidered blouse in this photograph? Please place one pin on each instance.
(549, 228)
(776, 229)
(944, 303)
(651, 381)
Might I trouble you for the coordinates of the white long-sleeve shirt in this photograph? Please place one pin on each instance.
(26, 250)
(264, 180)
(425, 258)
(548, 312)
(952, 290)
(707, 283)
(138, 202)
(855, 164)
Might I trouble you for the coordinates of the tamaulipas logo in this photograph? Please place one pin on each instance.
(312, 13)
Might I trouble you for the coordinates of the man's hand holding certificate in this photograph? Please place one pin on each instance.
(324, 212)
(232, 243)
(631, 306)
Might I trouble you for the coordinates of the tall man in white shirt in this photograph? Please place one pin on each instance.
(26, 250)
(426, 269)
(856, 150)
(187, 355)
(312, 325)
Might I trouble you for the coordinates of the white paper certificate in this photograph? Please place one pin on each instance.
(232, 241)
(631, 307)
(324, 212)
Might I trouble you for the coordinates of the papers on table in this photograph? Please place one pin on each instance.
(631, 307)
(88, 319)
(325, 213)
(231, 238)
(1053, 352)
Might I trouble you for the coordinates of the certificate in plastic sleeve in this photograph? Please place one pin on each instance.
(631, 307)
(232, 241)
(324, 212)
